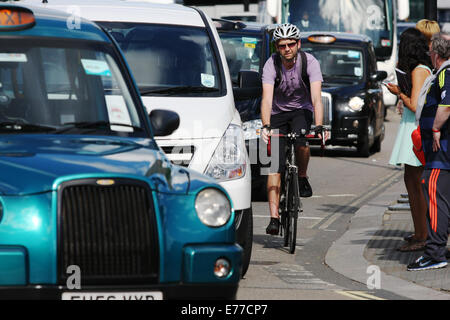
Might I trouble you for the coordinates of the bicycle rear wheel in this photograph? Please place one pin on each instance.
(293, 209)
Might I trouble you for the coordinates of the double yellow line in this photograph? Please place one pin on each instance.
(358, 295)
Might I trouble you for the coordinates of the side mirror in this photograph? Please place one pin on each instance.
(250, 86)
(164, 122)
(249, 79)
(378, 76)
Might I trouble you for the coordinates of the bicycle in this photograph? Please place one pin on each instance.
(290, 202)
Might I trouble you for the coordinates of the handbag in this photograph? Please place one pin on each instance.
(417, 145)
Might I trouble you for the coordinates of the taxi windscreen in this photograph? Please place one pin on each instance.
(70, 88)
(243, 52)
(335, 62)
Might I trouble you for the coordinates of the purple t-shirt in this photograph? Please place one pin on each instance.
(290, 94)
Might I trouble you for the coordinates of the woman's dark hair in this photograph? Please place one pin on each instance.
(413, 50)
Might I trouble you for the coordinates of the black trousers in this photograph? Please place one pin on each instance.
(436, 188)
(286, 122)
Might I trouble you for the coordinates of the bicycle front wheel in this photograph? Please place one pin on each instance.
(285, 209)
(293, 209)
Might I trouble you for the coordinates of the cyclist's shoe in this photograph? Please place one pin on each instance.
(274, 226)
(305, 187)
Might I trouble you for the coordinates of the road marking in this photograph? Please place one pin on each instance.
(358, 295)
(367, 295)
(387, 181)
(334, 195)
(358, 201)
(332, 219)
(296, 275)
(300, 217)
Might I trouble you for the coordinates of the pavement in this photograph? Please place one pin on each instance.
(367, 250)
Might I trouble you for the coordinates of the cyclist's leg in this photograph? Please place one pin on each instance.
(273, 196)
(278, 123)
(273, 193)
(302, 120)
(302, 154)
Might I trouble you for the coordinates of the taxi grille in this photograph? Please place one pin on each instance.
(327, 108)
(109, 232)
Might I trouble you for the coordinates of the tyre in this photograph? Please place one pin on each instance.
(285, 215)
(286, 228)
(292, 233)
(294, 207)
(376, 147)
(363, 146)
(259, 190)
(248, 243)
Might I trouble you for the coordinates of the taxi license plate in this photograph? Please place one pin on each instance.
(138, 295)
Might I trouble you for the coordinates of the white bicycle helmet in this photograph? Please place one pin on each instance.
(286, 31)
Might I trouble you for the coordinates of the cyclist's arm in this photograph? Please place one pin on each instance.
(266, 103)
(316, 99)
(266, 106)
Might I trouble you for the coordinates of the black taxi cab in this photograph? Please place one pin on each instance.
(351, 89)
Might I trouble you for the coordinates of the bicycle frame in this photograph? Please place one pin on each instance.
(292, 196)
(291, 205)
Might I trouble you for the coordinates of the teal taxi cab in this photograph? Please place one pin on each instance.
(90, 207)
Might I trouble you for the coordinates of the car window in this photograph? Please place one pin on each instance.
(44, 84)
(243, 52)
(338, 62)
(164, 57)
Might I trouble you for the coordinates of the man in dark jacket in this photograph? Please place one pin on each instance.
(434, 126)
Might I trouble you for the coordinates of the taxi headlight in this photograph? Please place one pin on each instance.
(356, 104)
(213, 207)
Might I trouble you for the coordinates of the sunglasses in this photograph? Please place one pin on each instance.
(291, 45)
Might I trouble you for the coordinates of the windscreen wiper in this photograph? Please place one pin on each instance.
(24, 126)
(94, 125)
(179, 89)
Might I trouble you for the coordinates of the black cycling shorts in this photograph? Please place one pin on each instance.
(287, 122)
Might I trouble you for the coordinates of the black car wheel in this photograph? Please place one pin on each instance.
(259, 191)
(363, 146)
(245, 238)
(376, 147)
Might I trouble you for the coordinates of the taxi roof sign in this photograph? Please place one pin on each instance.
(322, 38)
(15, 18)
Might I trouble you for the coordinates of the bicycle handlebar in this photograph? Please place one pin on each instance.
(293, 136)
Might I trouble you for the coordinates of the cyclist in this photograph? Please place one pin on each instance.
(288, 103)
